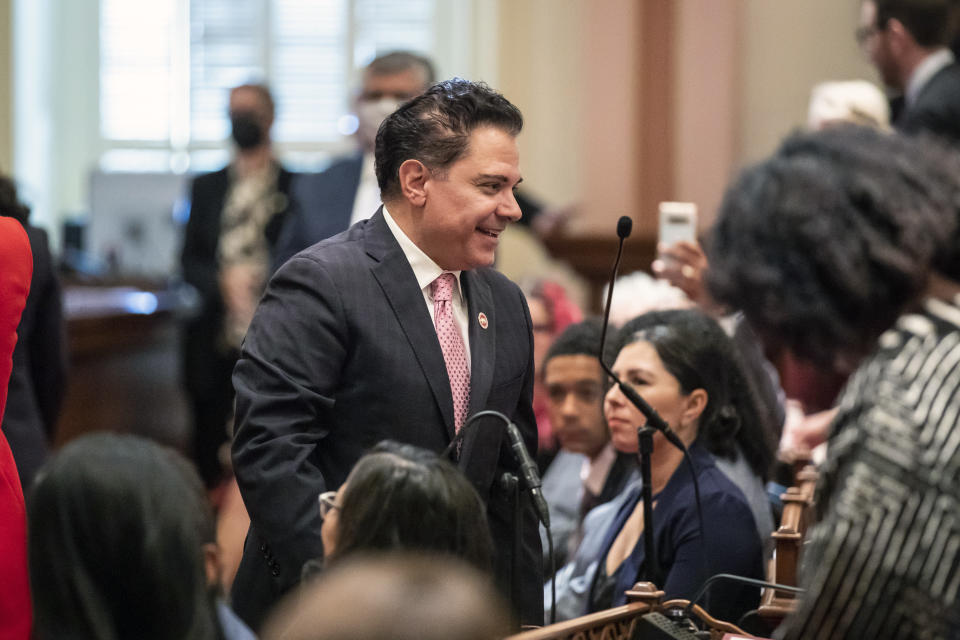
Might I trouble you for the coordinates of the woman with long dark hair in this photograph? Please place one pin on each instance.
(403, 498)
(115, 545)
(684, 366)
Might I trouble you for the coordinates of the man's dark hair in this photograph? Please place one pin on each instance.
(398, 62)
(696, 351)
(928, 21)
(435, 128)
(403, 498)
(579, 339)
(824, 244)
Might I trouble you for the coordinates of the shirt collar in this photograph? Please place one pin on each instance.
(424, 268)
(926, 70)
(595, 471)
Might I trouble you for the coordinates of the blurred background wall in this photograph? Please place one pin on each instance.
(624, 99)
(107, 107)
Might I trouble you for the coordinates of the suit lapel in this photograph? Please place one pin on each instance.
(399, 286)
(483, 343)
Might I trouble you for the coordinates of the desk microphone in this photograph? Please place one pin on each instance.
(528, 468)
(624, 227)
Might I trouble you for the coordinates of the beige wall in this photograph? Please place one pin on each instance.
(743, 70)
(787, 48)
(6, 87)
(540, 69)
(707, 100)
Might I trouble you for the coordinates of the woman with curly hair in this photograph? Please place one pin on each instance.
(843, 248)
(683, 365)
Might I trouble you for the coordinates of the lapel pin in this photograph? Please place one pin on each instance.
(482, 318)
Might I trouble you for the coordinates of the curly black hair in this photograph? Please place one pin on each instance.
(824, 244)
(697, 352)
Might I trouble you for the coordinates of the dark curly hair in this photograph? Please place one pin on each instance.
(697, 352)
(400, 497)
(435, 128)
(824, 244)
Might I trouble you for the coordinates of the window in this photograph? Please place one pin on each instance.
(166, 66)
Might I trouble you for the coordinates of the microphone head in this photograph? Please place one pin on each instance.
(624, 227)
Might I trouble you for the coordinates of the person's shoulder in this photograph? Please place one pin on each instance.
(210, 178)
(338, 170)
(344, 250)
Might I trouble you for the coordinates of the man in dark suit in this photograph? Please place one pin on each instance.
(347, 192)
(395, 329)
(235, 216)
(587, 470)
(906, 41)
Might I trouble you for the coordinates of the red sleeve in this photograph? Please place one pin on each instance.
(16, 269)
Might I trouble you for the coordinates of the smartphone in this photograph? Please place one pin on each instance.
(678, 221)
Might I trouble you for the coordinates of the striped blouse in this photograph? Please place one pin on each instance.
(884, 559)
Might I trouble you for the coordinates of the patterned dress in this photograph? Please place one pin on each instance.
(884, 560)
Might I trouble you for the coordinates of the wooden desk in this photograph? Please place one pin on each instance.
(124, 364)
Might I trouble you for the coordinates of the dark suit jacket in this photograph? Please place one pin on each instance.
(937, 107)
(341, 354)
(322, 206)
(200, 269)
(38, 380)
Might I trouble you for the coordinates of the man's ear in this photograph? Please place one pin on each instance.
(413, 176)
(898, 36)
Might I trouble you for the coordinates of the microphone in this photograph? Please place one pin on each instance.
(624, 227)
(528, 469)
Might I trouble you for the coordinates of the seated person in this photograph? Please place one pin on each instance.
(551, 311)
(588, 470)
(746, 458)
(402, 497)
(399, 596)
(116, 545)
(682, 367)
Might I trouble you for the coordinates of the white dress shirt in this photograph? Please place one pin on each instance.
(426, 271)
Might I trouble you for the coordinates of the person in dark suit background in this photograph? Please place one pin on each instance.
(235, 216)
(38, 380)
(907, 41)
(395, 329)
(347, 192)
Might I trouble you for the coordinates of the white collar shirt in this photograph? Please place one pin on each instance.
(925, 71)
(426, 271)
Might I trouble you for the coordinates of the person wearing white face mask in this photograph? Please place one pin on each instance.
(346, 192)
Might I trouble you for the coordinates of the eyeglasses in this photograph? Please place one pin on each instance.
(328, 502)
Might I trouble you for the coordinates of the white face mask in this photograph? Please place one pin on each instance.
(370, 114)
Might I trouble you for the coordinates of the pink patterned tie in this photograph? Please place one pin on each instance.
(451, 342)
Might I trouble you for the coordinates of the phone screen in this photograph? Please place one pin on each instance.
(678, 221)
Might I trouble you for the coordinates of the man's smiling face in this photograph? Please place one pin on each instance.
(471, 202)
